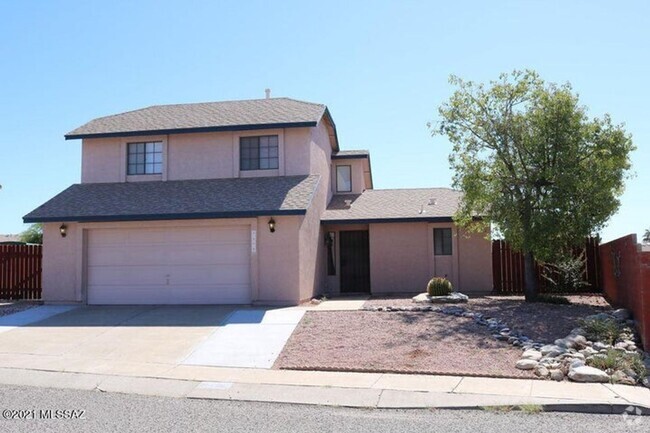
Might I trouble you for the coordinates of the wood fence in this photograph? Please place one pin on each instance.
(20, 271)
(508, 268)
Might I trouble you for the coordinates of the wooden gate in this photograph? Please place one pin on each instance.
(508, 268)
(20, 271)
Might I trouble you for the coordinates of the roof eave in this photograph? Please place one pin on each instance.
(438, 219)
(164, 217)
(329, 118)
(72, 136)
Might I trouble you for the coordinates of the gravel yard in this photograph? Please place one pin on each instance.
(428, 342)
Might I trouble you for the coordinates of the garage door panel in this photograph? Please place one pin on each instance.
(229, 254)
(222, 235)
(127, 275)
(127, 255)
(216, 274)
(148, 295)
(122, 237)
(182, 265)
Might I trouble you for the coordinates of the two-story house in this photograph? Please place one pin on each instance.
(242, 202)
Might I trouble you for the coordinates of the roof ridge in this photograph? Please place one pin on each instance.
(229, 101)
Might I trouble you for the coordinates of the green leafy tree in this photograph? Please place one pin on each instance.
(646, 236)
(529, 159)
(33, 234)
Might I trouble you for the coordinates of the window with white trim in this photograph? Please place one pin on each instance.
(144, 158)
(343, 178)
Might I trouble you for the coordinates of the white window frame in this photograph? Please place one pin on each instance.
(349, 181)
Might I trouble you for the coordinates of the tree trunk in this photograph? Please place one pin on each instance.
(531, 286)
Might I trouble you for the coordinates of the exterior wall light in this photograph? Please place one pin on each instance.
(63, 230)
(272, 225)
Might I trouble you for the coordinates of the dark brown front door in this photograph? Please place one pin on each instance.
(355, 262)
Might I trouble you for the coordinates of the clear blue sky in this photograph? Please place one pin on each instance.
(381, 67)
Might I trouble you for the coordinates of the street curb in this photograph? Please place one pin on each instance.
(315, 395)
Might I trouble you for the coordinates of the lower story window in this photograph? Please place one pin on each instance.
(442, 242)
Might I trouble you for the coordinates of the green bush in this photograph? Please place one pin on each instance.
(619, 360)
(566, 274)
(439, 286)
(605, 330)
(553, 299)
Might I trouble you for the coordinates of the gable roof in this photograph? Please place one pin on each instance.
(179, 199)
(394, 205)
(206, 117)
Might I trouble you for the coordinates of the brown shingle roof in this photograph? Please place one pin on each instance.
(205, 117)
(351, 154)
(394, 205)
(180, 199)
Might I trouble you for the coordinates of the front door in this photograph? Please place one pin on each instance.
(355, 261)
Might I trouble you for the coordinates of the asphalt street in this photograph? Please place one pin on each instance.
(32, 409)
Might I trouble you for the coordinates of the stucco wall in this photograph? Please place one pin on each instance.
(100, 160)
(61, 263)
(312, 248)
(196, 156)
(399, 257)
(402, 258)
(200, 156)
(357, 173)
(274, 263)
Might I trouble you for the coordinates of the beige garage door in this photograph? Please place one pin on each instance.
(179, 265)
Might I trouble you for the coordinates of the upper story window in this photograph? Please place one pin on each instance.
(442, 242)
(144, 158)
(258, 153)
(343, 178)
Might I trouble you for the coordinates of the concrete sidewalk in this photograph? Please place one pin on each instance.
(368, 390)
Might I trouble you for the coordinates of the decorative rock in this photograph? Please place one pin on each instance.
(622, 378)
(588, 374)
(533, 354)
(564, 343)
(577, 363)
(579, 341)
(542, 371)
(588, 351)
(552, 350)
(599, 345)
(646, 382)
(526, 364)
(452, 298)
(622, 314)
(577, 331)
(557, 375)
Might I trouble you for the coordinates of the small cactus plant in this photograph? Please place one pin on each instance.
(439, 286)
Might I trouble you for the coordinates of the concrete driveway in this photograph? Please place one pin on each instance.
(106, 339)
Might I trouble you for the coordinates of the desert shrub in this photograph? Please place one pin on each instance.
(566, 275)
(619, 360)
(552, 299)
(439, 286)
(607, 330)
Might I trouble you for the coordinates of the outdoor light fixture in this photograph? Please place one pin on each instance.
(272, 225)
(63, 230)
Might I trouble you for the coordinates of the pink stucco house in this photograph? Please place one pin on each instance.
(242, 202)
